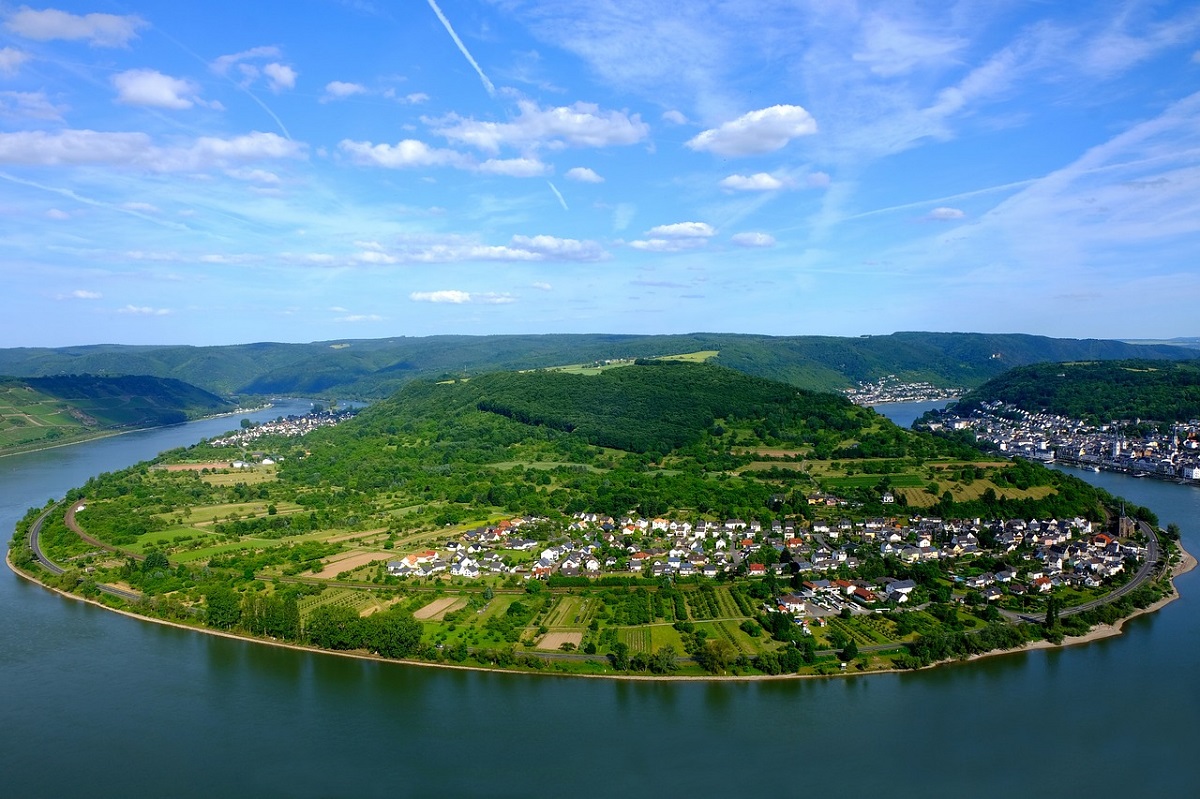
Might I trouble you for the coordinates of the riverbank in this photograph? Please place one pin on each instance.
(1187, 563)
(22, 449)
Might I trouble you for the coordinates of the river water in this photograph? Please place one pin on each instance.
(97, 704)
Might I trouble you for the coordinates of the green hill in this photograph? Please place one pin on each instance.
(655, 437)
(35, 411)
(1099, 392)
(375, 368)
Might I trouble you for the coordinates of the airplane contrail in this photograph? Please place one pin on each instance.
(462, 48)
(558, 194)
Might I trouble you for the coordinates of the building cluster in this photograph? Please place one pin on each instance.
(893, 389)
(284, 426)
(1047, 437)
(822, 557)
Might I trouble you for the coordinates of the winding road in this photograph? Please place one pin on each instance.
(35, 531)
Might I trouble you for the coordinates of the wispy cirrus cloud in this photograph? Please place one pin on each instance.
(143, 310)
(529, 249)
(30, 105)
(753, 239)
(136, 149)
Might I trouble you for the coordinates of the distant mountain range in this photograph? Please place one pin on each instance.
(375, 368)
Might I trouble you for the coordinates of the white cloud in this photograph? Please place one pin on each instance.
(80, 294)
(11, 60)
(758, 132)
(279, 76)
(514, 167)
(29, 105)
(403, 155)
(100, 30)
(579, 125)
(141, 208)
(445, 295)
(337, 90)
(554, 248)
(760, 181)
(57, 215)
(753, 240)
(135, 149)
(416, 98)
(152, 88)
(143, 310)
(682, 230)
(945, 214)
(583, 175)
(359, 317)
(674, 117)
(542, 286)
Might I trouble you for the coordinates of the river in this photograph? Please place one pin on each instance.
(101, 705)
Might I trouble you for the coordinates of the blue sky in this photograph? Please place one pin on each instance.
(210, 173)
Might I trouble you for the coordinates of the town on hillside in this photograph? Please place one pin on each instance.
(892, 389)
(289, 426)
(1047, 437)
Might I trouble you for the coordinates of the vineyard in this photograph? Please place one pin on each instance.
(335, 597)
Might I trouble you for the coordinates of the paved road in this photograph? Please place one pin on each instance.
(35, 531)
(1145, 572)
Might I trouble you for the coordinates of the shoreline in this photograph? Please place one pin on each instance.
(1098, 633)
(114, 433)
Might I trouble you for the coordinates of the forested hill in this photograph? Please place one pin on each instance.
(656, 436)
(653, 407)
(40, 410)
(661, 406)
(1099, 391)
(375, 368)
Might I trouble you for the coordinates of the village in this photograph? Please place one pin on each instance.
(892, 389)
(816, 568)
(289, 426)
(1049, 438)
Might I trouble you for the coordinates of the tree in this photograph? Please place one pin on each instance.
(222, 607)
(850, 651)
(664, 660)
(333, 627)
(716, 655)
(620, 656)
(155, 562)
(392, 634)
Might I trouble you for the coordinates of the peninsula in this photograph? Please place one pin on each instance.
(657, 518)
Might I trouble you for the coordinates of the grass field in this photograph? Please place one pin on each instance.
(597, 367)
